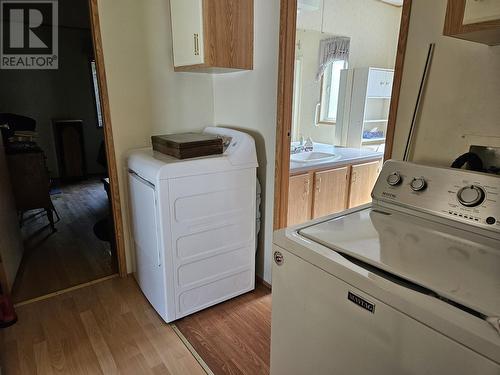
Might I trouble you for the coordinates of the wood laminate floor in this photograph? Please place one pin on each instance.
(106, 328)
(233, 337)
(73, 255)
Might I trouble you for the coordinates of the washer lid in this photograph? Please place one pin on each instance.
(460, 266)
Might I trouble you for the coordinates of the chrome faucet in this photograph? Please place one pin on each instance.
(309, 145)
(302, 146)
(296, 149)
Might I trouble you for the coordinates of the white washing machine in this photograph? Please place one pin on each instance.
(194, 225)
(409, 284)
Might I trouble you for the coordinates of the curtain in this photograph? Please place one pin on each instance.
(330, 50)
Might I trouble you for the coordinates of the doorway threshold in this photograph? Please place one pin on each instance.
(63, 291)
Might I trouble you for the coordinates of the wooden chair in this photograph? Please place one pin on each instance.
(31, 183)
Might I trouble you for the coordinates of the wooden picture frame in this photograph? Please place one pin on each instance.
(485, 32)
(286, 65)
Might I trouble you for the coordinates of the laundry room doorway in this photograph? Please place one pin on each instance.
(60, 162)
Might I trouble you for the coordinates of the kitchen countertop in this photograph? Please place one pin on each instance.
(347, 156)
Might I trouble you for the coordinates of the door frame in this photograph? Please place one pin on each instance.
(108, 138)
(286, 65)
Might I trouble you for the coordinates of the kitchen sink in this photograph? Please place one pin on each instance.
(313, 156)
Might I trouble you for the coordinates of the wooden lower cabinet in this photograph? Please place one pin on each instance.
(300, 199)
(363, 178)
(319, 193)
(330, 191)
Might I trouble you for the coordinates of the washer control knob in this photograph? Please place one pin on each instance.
(471, 196)
(418, 184)
(394, 179)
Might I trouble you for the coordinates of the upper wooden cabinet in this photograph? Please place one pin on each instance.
(212, 35)
(474, 20)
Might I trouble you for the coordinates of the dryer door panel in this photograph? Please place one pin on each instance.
(149, 273)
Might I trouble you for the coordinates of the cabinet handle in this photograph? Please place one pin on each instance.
(353, 177)
(306, 188)
(196, 45)
(318, 184)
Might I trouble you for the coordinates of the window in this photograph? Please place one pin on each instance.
(96, 94)
(330, 92)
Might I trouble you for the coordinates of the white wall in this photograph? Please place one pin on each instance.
(373, 27)
(461, 104)
(178, 102)
(146, 96)
(248, 100)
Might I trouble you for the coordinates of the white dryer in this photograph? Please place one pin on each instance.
(193, 225)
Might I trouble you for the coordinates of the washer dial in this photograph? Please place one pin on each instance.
(471, 196)
(394, 179)
(418, 184)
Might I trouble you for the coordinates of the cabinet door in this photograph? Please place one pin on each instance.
(187, 31)
(363, 177)
(299, 199)
(330, 191)
(387, 87)
(376, 83)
